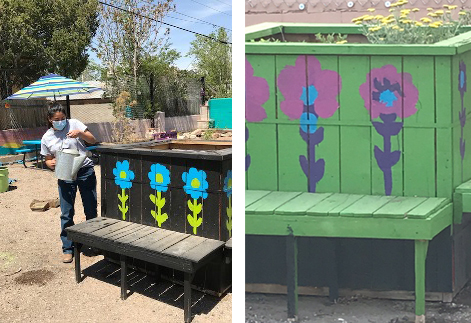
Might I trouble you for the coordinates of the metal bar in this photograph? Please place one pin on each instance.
(292, 274)
(124, 268)
(187, 297)
(78, 274)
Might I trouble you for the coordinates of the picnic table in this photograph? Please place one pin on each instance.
(37, 148)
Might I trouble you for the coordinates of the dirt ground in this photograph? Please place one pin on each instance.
(269, 308)
(35, 286)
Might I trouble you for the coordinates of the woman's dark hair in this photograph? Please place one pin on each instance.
(54, 107)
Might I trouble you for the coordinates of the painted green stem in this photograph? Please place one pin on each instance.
(229, 217)
(123, 198)
(193, 220)
(159, 201)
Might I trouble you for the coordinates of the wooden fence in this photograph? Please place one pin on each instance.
(23, 114)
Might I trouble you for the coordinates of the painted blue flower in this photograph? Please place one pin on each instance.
(228, 183)
(195, 183)
(123, 175)
(311, 95)
(159, 177)
(308, 119)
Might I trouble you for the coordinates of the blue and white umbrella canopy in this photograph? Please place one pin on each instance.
(52, 85)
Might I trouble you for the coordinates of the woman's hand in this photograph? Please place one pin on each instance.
(74, 134)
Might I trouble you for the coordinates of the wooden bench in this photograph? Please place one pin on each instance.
(298, 214)
(171, 249)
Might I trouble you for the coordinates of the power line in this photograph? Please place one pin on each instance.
(207, 22)
(212, 8)
(228, 4)
(164, 23)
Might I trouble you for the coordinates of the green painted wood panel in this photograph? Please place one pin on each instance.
(419, 162)
(425, 209)
(458, 174)
(253, 196)
(443, 74)
(329, 150)
(399, 207)
(356, 160)
(283, 61)
(264, 66)
(270, 202)
(290, 147)
(466, 57)
(262, 147)
(366, 206)
(377, 175)
(301, 203)
(333, 204)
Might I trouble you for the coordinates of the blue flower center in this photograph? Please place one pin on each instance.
(311, 95)
(308, 122)
(388, 98)
(462, 79)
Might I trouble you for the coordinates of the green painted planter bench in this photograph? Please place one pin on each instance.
(358, 119)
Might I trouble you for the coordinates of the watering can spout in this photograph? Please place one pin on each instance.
(78, 162)
(68, 163)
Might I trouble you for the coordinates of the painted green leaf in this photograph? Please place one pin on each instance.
(190, 220)
(190, 205)
(120, 208)
(161, 203)
(123, 198)
(229, 211)
(198, 222)
(154, 215)
(161, 219)
(198, 208)
(152, 198)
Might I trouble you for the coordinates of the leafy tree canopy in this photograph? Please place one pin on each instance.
(44, 36)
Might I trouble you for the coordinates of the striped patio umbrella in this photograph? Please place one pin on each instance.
(53, 85)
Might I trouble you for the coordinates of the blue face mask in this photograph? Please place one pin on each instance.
(59, 125)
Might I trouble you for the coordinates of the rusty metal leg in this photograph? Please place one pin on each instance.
(187, 296)
(292, 275)
(78, 273)
(124, 273)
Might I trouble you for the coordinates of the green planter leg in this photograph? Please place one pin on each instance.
(421, 247)
(292, 275)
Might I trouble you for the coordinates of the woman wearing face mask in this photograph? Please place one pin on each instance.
(70, 133)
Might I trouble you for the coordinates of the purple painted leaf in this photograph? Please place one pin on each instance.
(247, 162)
(317, 170)
(386, 160)
(304, 165)
(387, 129)
(462, 147)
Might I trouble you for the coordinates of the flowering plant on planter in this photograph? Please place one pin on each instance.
(405, 26)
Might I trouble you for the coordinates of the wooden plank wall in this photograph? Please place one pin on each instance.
(429, 142)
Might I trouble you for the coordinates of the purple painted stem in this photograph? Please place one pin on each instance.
(462, 116)
(314, 170)
(247, 157)
(386, 158)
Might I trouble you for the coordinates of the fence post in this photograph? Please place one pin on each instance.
(159, 121)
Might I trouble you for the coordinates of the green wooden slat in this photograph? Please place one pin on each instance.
(377, 176)
(366, 206)
(399, 207)
(333, 204)
(419, 162)
(262, 30)
(467, 128)
(444, 163)
(290, 147)
(464, 188)
(430, 206)
(329, 150)
(253, 196)
(351, 227)
(270, 202)
(443, 89)
(458, 177)
(466, 202)
(301, 203)
(261, 146)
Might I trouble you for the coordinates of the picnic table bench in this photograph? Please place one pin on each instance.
(179, 251)
(336, 215)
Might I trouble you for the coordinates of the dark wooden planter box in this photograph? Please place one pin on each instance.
(183, 186)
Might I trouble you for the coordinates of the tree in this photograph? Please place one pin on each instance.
(93, 72)
(44, 36)
(214, 62)
(126, 37)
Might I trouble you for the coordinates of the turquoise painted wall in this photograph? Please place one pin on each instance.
(220, 110)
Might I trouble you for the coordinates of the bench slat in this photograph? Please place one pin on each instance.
(136, 235)
(333, 205)
(202, 250)
(151, 238)
(366, 206)
(399, 207)
(133, 227)
(253, 196)
(168, 241)
(431, 205)
(229, 244)
(301, 203)
(270, 202)
(111, 228)
(93, 225)
(184, 246)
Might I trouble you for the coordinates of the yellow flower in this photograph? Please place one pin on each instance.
(379, 17)
(462, 13)
(393, 5)
(419, 24)
(368, 18)
(448, 11)
(371, 9)
(358, 22)
(402, 29)
(433, 26)
(439, 12)
(341, 42)
(446, 6)
(429, 9)
(431, 14)
(391, 10)
(425, 19)
(381, 38)
(405, 11)
(395, 27)
(403, 17)
(415, 10)
(452, 7)
(390, 16)
(407, 21)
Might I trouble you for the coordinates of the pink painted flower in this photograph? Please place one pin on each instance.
(256, 94)
(321, 88)
(386, 92)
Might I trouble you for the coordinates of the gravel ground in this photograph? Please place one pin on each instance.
(272, 308)
(35, 286)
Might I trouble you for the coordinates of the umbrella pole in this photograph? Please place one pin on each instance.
(67, 100)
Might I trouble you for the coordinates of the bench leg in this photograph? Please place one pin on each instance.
(333, 270)
(78, 273)
(124, 273)
(24, 160)
(292, 275)
(187, 297)
(421, 247)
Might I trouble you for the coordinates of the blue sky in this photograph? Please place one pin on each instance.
(218, 12)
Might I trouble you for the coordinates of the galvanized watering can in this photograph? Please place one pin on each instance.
(68, 163)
